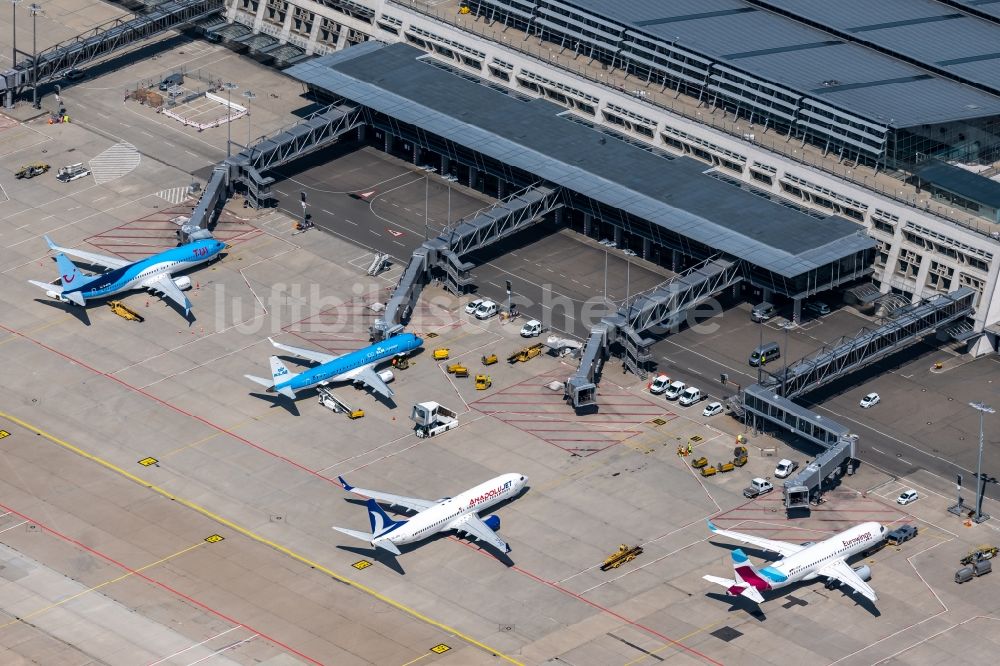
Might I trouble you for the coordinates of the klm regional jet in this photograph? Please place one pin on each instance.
(357, 366)
(154, 273)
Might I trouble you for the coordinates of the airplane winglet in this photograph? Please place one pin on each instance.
(739, 556)
(52, 246)
(711, 526)
(348, 487)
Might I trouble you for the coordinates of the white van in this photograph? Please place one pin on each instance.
(531, 329)
(486, 310)
(674, 390)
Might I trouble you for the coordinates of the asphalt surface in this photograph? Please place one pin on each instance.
(559, 277)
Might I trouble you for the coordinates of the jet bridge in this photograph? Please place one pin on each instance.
(905, 327)
(114, 35)
(312, 133)
(772, 399)
(444, 253)
(660, 309)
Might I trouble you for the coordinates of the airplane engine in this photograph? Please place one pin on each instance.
(864, 573)
(492, 522)
(183, 283)
(386, 376)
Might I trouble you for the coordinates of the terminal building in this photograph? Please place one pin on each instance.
(730, 83)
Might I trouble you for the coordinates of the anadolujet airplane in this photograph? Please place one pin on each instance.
(459, 513)
(826, 558)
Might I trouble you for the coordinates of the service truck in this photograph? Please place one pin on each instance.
(757, 487)
(432, 418)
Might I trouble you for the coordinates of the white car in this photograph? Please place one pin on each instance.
(470, 308)
(785, 468)
(673, 391)
(870, 400)
(907, 496)
(690, 396)
(712, 408)
(659, 385)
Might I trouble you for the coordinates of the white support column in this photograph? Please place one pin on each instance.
(313, 35)
(618, 236)
(921, 281)
(286, 29)
(259, 19)
(796, 313)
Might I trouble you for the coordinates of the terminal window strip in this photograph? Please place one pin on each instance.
(528, 74)
(950, 241)
(878, 212)
(352, 9)
(766, 167)
(825, 191)
(631, 115)
(667, 129)
(444, 41)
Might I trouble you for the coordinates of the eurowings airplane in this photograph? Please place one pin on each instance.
(356, 366)
(154, 273)
(799, 562)
(459, 513)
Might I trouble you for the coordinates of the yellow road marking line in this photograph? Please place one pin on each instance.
(41, 327)
(423, 656)
(260, 539)
(46, 609)
(215, 434)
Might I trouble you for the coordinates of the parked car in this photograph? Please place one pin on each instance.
(901, 534)
(818, 308)
(674, 390)
(659, 385)
(74, 74)
(486, 310)
(472, 306)
(907, 496)
(763, 311)
(785, 467)
(171, 81)
(870, 400)
(689, 396)
(712, 408)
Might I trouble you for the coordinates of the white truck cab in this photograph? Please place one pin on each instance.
(674, 390)
(531, 329)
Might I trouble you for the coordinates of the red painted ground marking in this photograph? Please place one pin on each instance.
(162, 233)
(162, 585)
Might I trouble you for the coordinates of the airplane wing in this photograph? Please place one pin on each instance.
(318, 357)
(474, 526)
(782, 547)
(89, 257)
(165, 285)
(411, 503)
(842, 571)
(371, 378)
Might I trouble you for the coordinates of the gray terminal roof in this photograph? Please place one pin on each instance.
(784, 51)
(958, 181)
(932, 34)
(536, 137)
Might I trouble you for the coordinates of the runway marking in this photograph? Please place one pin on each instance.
(131, 572)
(349, 222)
(23, 522)
(372, 231)
(423, 656)
(245, 532)
(324, 210)
(191, 647)
(878, 450)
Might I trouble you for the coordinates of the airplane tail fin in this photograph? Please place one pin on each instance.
(72, 279)
(279, 375)
(380, 521)
(747, 576)
(381, 524)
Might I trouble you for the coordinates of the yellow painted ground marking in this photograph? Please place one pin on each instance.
(36, 329)
(423, 656)
(260, 539)
(217, 433)
(4, 433)
(440, 648)
(215, 538)
(97, 587)
(146, 462)
(361, 564)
